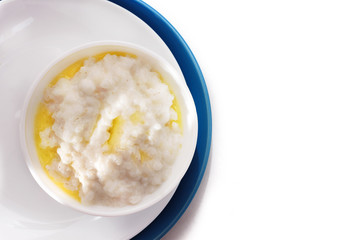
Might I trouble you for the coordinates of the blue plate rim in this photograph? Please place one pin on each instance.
(196, 83)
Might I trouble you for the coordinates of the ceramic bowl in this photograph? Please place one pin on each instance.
(171, 76)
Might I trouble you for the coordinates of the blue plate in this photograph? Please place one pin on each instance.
(196, 83)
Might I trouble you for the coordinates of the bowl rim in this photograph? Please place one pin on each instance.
(94, 209)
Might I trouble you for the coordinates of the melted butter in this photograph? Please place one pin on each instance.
(43, 120)
(137, 118)
(175, 105)
(123, 54)
(60, 182)
(68, 72)
(144, 156)
(71, 70)
(115, 132)
(141, 156)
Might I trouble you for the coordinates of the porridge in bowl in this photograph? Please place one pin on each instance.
(108, 129)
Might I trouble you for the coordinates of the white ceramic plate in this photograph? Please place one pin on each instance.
(32, 34)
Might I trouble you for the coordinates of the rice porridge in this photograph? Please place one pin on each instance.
(108, 130)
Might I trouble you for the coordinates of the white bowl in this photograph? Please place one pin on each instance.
(188, 113)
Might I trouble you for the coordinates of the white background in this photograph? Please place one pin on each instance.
(284, 83)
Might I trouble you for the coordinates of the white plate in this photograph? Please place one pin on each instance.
(32, 34)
